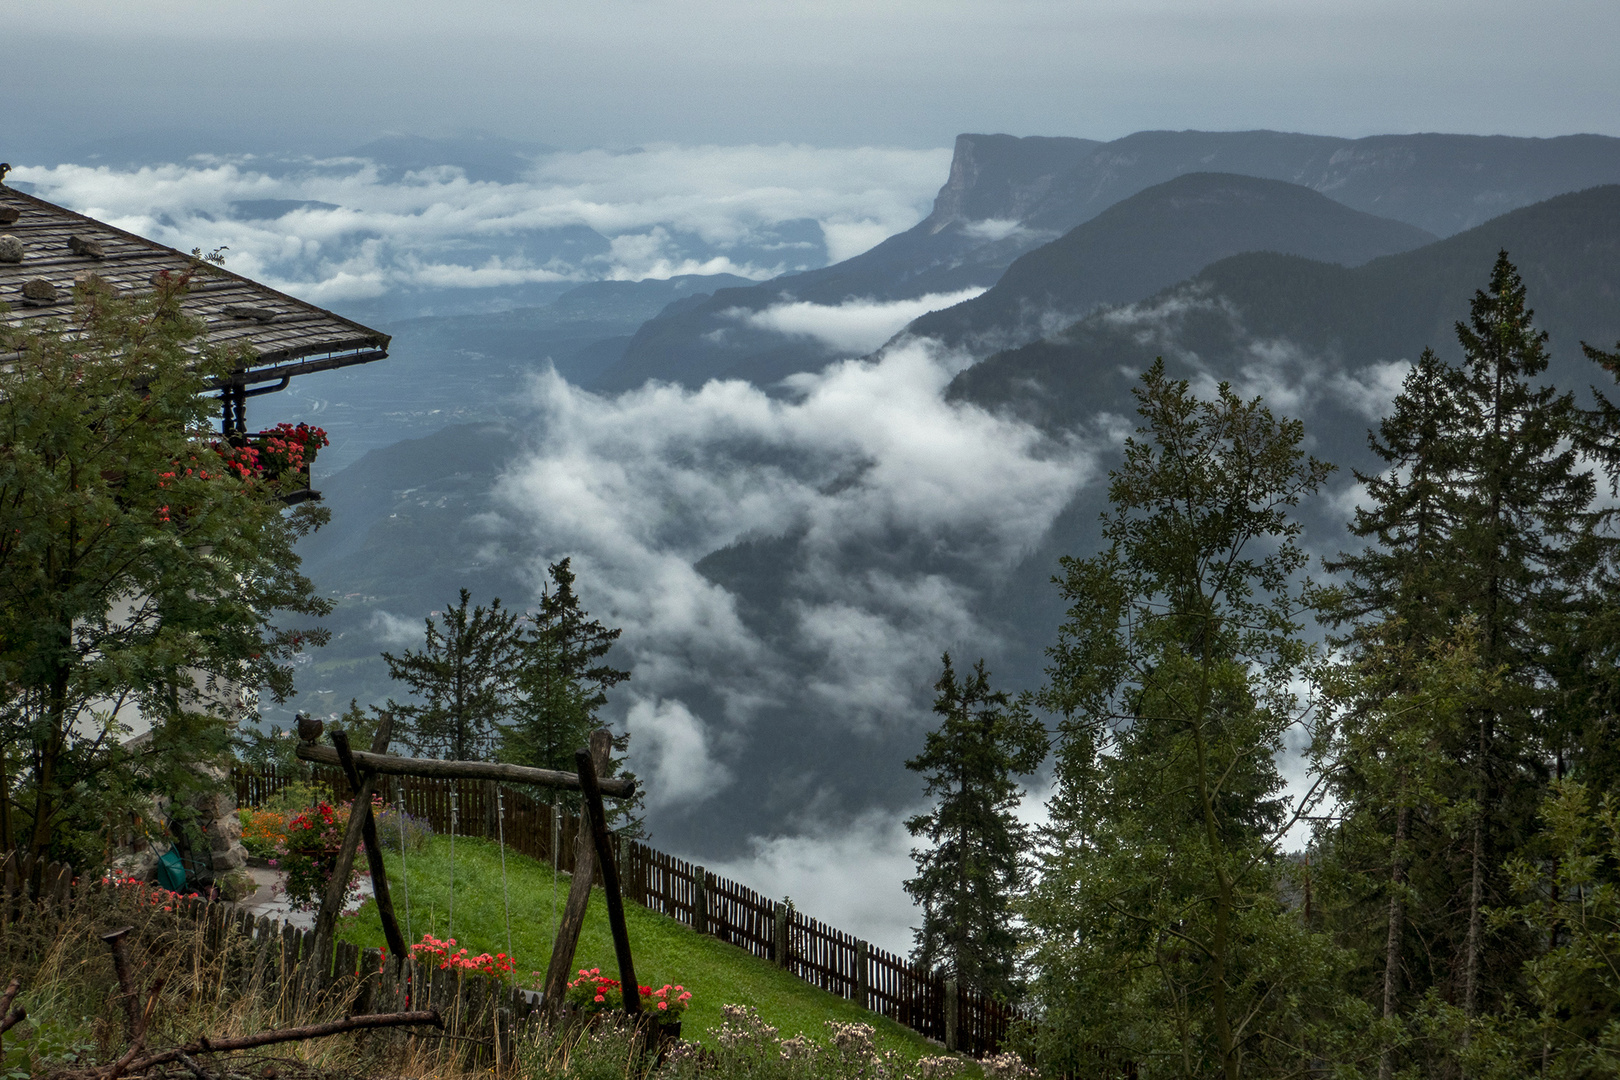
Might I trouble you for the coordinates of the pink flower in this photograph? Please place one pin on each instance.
(599, 997)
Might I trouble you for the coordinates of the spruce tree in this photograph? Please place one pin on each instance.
(1485, 524)
(975, 863)
(462, 678)
(562, 679)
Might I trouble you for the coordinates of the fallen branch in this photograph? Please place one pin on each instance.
(10, 1017)
(297, 1034)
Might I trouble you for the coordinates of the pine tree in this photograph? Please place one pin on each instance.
(462, 678)
(562, 680)
(1161, 932)
(967, 877)
(1485, 523)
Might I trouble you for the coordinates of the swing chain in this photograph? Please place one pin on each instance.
(500, 829)
(405, 877)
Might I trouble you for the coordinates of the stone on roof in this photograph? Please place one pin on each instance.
(44, 247)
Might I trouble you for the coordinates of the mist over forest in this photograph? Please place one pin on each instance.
(801, 429)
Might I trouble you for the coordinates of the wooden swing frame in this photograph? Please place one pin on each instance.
(593, 847)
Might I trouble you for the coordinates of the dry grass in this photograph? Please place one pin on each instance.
(217, 988)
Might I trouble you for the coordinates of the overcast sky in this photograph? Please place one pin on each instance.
(317, 76)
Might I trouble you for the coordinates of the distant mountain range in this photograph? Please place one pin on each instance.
(1156, 238)
(1317, 318)
(1006, 196)
(1309, 300)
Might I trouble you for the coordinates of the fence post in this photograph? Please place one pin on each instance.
(863, 975)
(781, 935)
(700, 900)
(951, 1016)
(491, 826)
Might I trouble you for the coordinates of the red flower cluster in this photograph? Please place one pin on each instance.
(288, 448)
(595, 992)
(432, 948)
(155, 895)
(285, 448)
(309, 855)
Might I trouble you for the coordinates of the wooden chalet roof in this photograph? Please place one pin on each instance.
(288, 336)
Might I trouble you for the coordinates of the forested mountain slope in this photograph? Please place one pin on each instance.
(1293, 318)
(1006, 196)
(1155, 238)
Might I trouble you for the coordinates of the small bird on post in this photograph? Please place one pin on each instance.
(309, 728)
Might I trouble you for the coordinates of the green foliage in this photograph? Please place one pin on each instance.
(1162, 932)
(461, 677)
(1475, 655)
(975, 864)
(562, 681)
(137, 573)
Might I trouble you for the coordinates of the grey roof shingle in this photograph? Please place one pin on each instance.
(287, 335)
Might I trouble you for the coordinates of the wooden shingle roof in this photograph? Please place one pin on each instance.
(288, 336)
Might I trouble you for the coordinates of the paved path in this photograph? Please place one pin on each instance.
(270, 901)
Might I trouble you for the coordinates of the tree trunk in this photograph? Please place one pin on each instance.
(579, 894)
(1392, 945)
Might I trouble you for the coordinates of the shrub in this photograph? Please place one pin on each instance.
(263, 832)
(309, 855)
(389, 821)
(594, 992)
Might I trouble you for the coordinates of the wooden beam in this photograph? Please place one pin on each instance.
(561, 968)
(391, 765)
(379, 872)
(630, 989)
(332, 902)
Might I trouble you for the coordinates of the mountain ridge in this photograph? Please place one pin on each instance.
(1033, 192)
(1153, 239)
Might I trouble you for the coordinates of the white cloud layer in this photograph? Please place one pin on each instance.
(861, 462)
(855, 326)
(657, 212)
(850, 879)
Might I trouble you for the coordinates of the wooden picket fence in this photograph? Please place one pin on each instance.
(270, 961)
(824, 956)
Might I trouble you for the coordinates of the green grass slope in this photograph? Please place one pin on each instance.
(665, 951)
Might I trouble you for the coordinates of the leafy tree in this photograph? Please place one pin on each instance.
(966, 880)
(1162, 933)
(1486, 518)
(141, 564)
(462, 678)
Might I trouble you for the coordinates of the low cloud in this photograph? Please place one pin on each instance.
(393, 630)
(851, 879)
(672, 743)
(855, 326)
(346, 230)
(992, 229)
(787, 568)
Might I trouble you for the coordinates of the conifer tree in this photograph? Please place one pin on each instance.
(562, 679)
(1485, 523)
(975, 865)
(462, 678)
